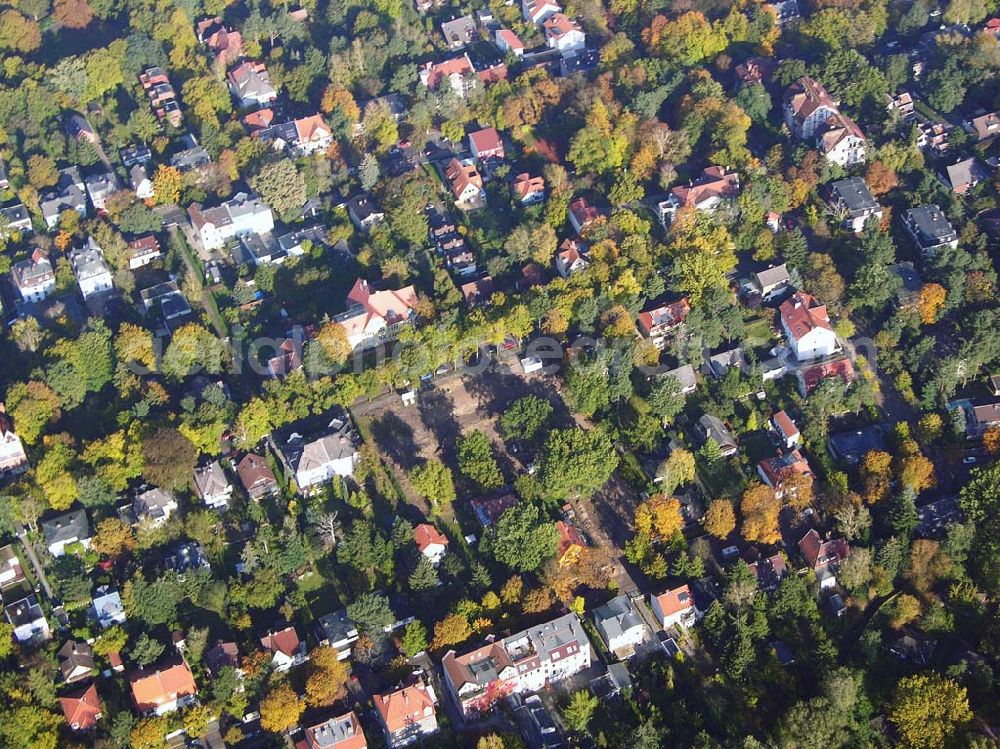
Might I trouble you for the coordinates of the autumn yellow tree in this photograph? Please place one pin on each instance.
(720, 519)
(149, 733)
(451, 630)
(759, 508)
(929, 428)
(113, 538)
(340, 98)
(167, 183)
(927, 565)
(876, 471)
(659, 517)
(281, 709)
(991, 440)
(932, 298)
(797, 490)
(327, 677)
(928, 709)
(903, 610)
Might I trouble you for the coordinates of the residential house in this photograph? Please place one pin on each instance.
(93, 275)
(82, 709)
(786, 431)
(964, 175)
(287, 650)
(570, 259)
(63, 530)
(107, 607)
(374, 317)
(675, 608)
(69, 195)
(933, 136)
(192, 157)
(718, 364)
(341, 732)
(76, 661)
(458, 72)
(620, 626)
(524, 662)
(338, 632)
(489, 510)
(186, 557)
(685, 376)
(256, 476)
(571, 544)
(458, 32)
(316, 460)
(769, 571)
(583, 61)
(364, 212)
(755, 70)
(13, 459)
(564, 34)
(139, 181)
(984, 417)
(539, 11)
(807, 327)
(431, 543)
(807, 106)
(287, 358)
(466, 184)
(222, 655)
(244, 213)
(823, 557)
(841, 141)
(99, 188)
(167, 298)
(226, 45)
(930, 229)
(902, 105)
(15, 218)
(662, 322)
(35, 277)
(704, 194)
(161, 94)
(133, 155)
(582, 215)
(850, 198)
(486, 145)
(777, 471)
(303, 136)
(812, 376)
(507, 41)
(477, 293)
(529, 190)
(250, 84)
(712, 428)
(212, 485)
(408, 713)
(25, 615)
(771, 281)
(11, 572)
(852, 446)
(154, 505)
(163, 688)
(143, 251)
(784, 11)
(983, 127)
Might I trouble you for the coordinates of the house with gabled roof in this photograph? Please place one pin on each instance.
(810, 377)
(457, 72)
(407, 714)
(772, 281)
(256, 476)
(807, 327)
(715, 185)
(529, 190)
(212, 485)
(35, 277)
(107, 607)
(570, 259)
(852, 198)
(489, 510)
(466, 184)
(222, 655)
(620, 626)
(11, 571)
(65, 529)
(431, 543)
(675, 607)
(163, 688)
(153, 505)
(68, 195)
(712, 428)
(244, 213)
(373, 317)
(778, 470)
(807, 106)
(287, 650)
(486, 144)
(143, 251)
(507, 41)
(571, 544)
(823, 557)
(82, 709)
(564, 34)
(962, 176)
(315, 456)
(76, 661)
(841, 141)
(539, 11)
(659, 323)
(459, 32)
(250, 84)
(28, 620)
(225, 44)
(582, 215)
(769, 571)
(93, 274)
(162, 97)
(784, 428)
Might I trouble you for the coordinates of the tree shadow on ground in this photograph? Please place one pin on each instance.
(437, 412)
(395, 438)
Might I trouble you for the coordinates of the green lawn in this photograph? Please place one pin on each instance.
(724, 479)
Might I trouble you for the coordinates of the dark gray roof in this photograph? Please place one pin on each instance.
(929, 226)
(854, 194)
(66, 527)
(852, 445)
(617, 617)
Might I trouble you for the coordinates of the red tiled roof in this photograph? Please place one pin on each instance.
(676, 600)
(665, 317)
(784, 422)
(82, 709)
(814, 375)
(714, 182)
(285, 641)
(152, 689)
(525, 185)
(426, 534)
(259, 120)
(404, 707)
(486, 140)
(779, 468)
(803, 313)
(569, 537)
(805, 96)
(819, 553)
